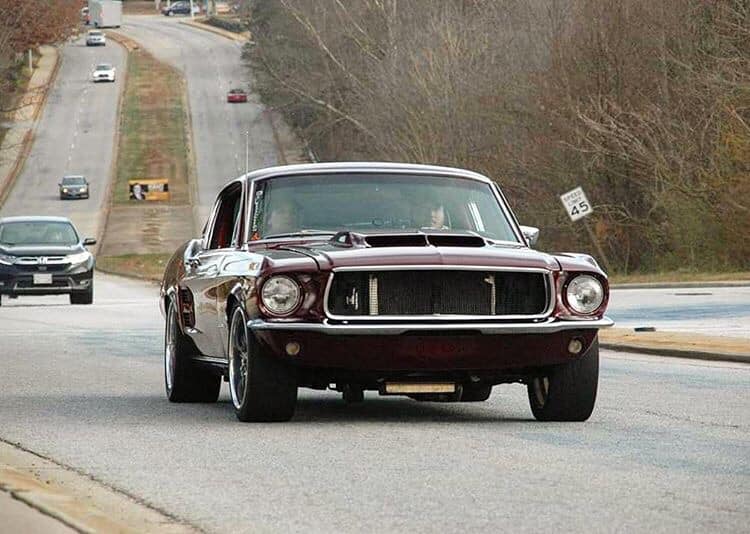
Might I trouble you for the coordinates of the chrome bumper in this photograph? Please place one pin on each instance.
(549, 326)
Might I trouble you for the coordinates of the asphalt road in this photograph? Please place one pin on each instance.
(212, 66)
(714, 311)
(666, 449)
(75, 135)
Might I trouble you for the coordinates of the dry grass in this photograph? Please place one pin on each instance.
(153, 138)
(138, 7)
(143, 266)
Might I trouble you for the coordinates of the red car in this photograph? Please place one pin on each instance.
(236, 95)
(402, 279)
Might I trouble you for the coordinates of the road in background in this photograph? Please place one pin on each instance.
(75, 135)
(666, 449)
(713, 311)
(211, 65)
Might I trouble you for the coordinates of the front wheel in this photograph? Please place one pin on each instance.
(83, 297)
(185, 381)
(566, 392)
(263, 388)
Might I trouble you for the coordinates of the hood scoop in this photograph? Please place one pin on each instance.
(411, 239)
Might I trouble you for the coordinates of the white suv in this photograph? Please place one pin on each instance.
(95, 38)
(104, 72)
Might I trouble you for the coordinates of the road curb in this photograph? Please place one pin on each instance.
(107, 207)
(681, 285)
(76, 499)
(6, 185)
(240, 38)
(678, 353)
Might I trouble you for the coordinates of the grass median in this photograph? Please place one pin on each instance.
(153, 139)
(153, 143)
(143, 266)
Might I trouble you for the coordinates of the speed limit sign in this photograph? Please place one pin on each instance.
(576, 204)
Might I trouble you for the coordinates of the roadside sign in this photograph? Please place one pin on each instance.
(576, 204)
(149, 189)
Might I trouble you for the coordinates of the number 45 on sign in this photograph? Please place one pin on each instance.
(576, 204)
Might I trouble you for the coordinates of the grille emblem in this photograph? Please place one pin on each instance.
(353, 300)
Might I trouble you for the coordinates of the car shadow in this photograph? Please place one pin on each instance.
(155, 408)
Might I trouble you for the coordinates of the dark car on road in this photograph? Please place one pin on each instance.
(73, 187)
(45, 256)
(176, 8)
(402, 279)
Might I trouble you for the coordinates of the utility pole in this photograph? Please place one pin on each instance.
(192, 13)
(247, 152)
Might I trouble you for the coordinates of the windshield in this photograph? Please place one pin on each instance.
(104, 66)
(38, 233)
(73, 180)
(377, 202)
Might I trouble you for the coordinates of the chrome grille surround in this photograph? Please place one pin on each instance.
(373, 303)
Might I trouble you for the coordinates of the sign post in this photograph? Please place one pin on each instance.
(577, 206)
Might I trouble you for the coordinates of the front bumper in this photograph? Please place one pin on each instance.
(62, 283)
(547, 326)
(74, 194)
(428, 347)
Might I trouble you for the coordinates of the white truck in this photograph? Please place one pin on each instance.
(105, 13)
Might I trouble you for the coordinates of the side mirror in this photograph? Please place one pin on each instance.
(89, 241)
(531, 234)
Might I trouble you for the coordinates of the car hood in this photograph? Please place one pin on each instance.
(40, 250)
(401, 250)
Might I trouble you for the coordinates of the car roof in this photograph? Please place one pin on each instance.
(34, 218)
(73, 176)
(364, 167)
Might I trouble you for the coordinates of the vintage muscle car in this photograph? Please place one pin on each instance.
(404, 279)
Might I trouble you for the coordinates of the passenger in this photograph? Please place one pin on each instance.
(282, 219)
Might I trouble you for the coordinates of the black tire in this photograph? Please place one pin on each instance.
(475, 393)
(567, 392)
(263, 388)
(83, 297)
(184, 381)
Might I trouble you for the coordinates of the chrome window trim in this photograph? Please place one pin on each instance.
(548, 281)
(369, 168)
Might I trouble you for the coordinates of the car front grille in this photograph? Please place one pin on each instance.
(413, 293)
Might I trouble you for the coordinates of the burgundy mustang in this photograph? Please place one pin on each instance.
(404, 279)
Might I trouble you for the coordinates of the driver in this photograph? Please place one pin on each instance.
(435, 216)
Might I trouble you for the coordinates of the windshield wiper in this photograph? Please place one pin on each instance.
(301, 233)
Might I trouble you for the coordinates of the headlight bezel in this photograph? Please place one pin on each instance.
(78, 258)
(263, 298)
(589, 311)
(7, 259)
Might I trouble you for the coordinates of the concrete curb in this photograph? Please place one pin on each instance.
(109, 192)
(678, 353)
(681, 285)
(76, 499)
(129, 276)
(6, 184)
(240, 38)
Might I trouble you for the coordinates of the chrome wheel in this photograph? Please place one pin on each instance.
(170, 348)
(540, 389)
(238, 358)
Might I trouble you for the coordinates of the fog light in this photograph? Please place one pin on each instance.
(292, 348)
(575, 346)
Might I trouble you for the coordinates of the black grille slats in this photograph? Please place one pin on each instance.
(437, 292)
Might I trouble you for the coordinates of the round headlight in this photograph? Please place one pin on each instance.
(280, 295)
(584, 294)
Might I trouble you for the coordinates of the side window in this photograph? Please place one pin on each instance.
(227, 217)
